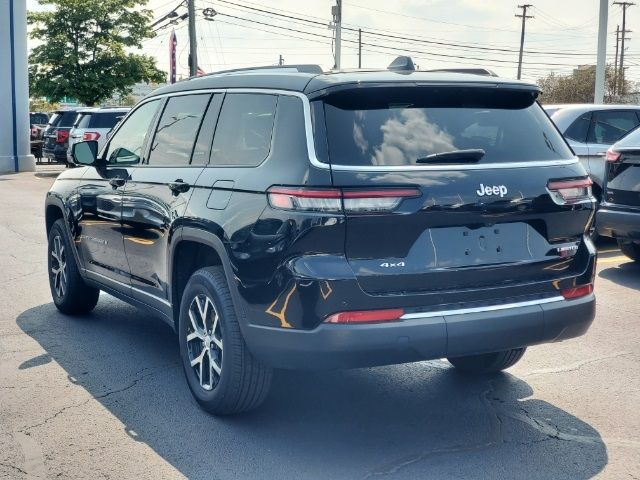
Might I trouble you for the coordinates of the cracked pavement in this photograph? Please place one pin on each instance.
(104, 397)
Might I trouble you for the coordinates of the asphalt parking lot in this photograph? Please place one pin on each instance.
(104, 396)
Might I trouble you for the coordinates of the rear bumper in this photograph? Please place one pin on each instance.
(618, 223)
(422, 336)
(58, 153)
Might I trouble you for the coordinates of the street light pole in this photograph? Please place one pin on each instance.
(193, 43)
(598, 96)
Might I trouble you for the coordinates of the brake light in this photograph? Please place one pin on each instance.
(336, 200)
(62, 136)
(366, 316)
(570, 191)
(577, 292)
(612, 156)
(88, 136)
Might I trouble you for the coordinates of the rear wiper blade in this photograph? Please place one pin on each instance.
(455, 156)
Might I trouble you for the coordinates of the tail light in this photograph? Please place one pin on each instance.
(88, 136)
(565, 192)
(62, 136)
(612, 156)
(337, 201)
(366, 316)
(577, 292)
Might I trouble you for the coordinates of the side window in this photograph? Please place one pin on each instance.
(177, 130)
(579, 128)
(609, 127)
(245, 127)
(126, 145)
(205, 135)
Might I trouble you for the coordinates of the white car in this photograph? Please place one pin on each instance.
(94, 124)
(591, 129)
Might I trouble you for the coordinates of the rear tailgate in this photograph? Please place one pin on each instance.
(623, 178)
(472, 224)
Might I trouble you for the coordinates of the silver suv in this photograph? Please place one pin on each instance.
(591, 129)
(94, 124)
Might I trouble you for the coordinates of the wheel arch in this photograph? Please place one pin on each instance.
(193, 249)
(53, 212)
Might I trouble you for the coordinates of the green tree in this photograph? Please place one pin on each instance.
(86, 49)
(579, 86)
(42, 105)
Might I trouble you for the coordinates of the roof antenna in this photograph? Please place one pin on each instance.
(402, 63)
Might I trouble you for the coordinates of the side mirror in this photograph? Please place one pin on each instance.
(85, 153)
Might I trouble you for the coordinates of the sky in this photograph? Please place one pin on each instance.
(437, 33)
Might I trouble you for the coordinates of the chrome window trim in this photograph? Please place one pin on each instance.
(313, 159)
(486, 166)
(490, 308)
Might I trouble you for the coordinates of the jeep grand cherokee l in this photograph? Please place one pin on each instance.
(289, 218)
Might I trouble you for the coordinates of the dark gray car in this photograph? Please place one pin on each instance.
(619, 214)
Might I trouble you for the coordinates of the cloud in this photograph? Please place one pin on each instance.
(408, 137)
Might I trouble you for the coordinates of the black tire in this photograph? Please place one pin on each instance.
(630, 249)
(74, 296)
(238, 382)
(488, 362)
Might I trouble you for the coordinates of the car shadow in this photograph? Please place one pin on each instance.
(626, 274)
(410, 421)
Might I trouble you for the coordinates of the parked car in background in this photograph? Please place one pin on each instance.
(37, 125)
(591, 129)
(290, 218)
(619, 213)
(56, 136)
(94, 124)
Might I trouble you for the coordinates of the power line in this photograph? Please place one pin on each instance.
(406, 50)
(414, 39)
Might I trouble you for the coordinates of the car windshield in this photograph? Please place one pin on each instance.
(400, 125)
(100, 119)
(64, 118)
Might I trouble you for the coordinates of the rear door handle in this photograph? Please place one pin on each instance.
(117, 182)
(179, 186)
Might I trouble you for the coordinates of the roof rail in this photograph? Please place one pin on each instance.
(302, 68)
(471, 70)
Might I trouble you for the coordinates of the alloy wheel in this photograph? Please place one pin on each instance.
(204, 341)
(59, 266)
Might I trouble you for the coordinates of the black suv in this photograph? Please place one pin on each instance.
(291, 218)
(56, 135)
(619, 213)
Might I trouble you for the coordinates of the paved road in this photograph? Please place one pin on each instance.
(104, 396)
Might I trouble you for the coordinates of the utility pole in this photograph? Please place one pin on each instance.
(624, 5)
(336, 11)
(359, 48)
(193, 43)
(280, 61)
(524, 17)
(598, 94)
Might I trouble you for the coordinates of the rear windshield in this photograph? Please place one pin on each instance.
(630, 140)
(99, 119)
(63, 119)
(396, 126)
(39, 118)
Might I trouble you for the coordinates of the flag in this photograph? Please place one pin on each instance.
(173, 42)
